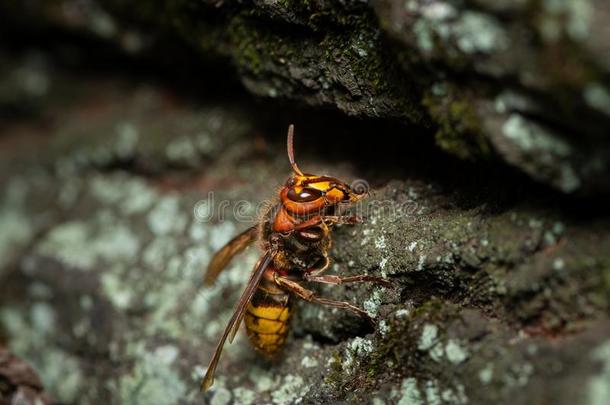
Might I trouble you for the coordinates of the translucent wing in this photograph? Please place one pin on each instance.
(222, 258)
(242, 304)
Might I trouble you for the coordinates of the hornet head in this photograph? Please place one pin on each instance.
(306, 193)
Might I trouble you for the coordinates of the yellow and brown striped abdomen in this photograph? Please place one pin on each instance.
(267, 319)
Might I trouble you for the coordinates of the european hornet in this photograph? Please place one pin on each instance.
(294, 235)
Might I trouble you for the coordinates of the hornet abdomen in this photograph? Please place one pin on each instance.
(267, 316)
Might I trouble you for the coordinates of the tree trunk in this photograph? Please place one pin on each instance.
(129, 156)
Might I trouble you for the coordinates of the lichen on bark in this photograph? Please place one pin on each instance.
(101, 287)
(501, 285)
(544, 63)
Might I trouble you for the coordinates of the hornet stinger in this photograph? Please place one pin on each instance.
(294, 236)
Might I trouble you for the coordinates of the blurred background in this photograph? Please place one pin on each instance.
(136, 138)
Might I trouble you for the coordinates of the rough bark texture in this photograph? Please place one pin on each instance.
(502, 285)
(524, 81)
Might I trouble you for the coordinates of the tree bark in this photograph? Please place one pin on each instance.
(118, 188)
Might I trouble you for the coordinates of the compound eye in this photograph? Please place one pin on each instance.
(305, 195)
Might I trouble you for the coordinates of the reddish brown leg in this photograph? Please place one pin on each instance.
(310, 296)
(344, 219)
(317, 220)
(363, 278)
(328, 219)
(315, 272)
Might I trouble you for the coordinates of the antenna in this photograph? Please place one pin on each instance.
(291, 151)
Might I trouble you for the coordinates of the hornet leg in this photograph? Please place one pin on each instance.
(329, 220)
(310, 296)
(316, 276)
(342, 219)
(336, 280)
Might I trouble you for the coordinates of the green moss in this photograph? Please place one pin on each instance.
(430, 310)
(350, 59)
(459, 130)
(252, 46)
(600, 296)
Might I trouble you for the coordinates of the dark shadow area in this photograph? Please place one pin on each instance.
(383, 150)
(380, 150)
